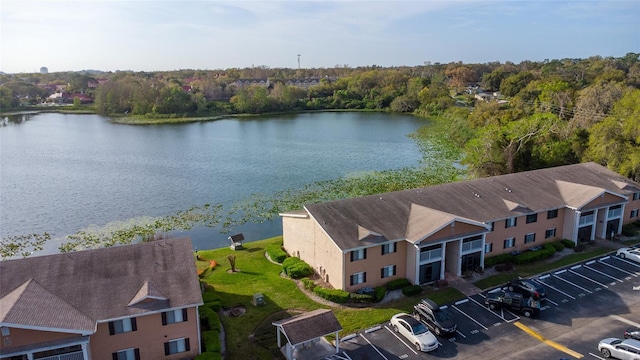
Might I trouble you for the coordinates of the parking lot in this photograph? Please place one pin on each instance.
(586, 303)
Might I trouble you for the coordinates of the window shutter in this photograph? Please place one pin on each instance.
(351, 279)
(382, 247)
(352, 255)
(136, 352)
(394, 270)
(114, 356)
(186, 344)
(515, 221)
(364, 277)
(364, 254)
(382, 273)
(166, 349)
(395, 247)
(164, 318)
(134, 326)
(112, 330)
(184, 315)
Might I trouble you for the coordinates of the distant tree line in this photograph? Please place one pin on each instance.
(548, 113)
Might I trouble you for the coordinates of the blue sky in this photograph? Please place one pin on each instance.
(155, 35)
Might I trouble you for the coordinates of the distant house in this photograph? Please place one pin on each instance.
(420, 234)
(241, 83)
(125, 302)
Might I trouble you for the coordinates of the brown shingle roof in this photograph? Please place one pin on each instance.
(98, 284)
(480, 200)
(309, 326)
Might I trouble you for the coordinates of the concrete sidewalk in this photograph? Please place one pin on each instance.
(461, 284)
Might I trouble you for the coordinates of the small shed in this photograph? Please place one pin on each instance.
(236, 241)
(305, 335)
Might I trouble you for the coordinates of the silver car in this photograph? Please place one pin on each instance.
(414, 331)
(628, 349)
(629, 253)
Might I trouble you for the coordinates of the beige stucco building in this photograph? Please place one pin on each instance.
(127, 303)
(420, 234)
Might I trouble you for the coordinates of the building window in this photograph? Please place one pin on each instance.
(509, 243)
(552, 214)
(510, 222)
(129, 354)
(359, 278)
(634, 213)
(472, 244)
(550, 233)
(175, 316)
(388, 271)
(389, 248)
(176, 346)
(488, 247)
(531, 218)
(636, 196)
(614, 211)
(586, 218)
(529, 238)
(358, 254)
(122, 326)
(5, 331)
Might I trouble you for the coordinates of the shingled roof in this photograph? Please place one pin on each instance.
(308, 326)
(72, 292)
(475, 201)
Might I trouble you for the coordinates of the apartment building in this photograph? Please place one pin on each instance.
(420, 234)
(126, 302)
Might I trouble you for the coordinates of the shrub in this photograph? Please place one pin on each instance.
(558, 245)
(411, 290)
(211, 340)
(308, 283)
(529, 256)
(289, 261)
(210, 317)
(397, 284)
(337, 296)
(379, 293)
(498, 259)
(504, 267)
(361, 297)
(568, 243)
(299, 270)
(276, 253)
(580, 248)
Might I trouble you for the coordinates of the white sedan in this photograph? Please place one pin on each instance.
(415, 331)
(629, 253)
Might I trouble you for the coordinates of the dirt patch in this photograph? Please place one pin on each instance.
(234, 311)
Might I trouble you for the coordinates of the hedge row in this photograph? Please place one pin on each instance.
(211, 340)
(397, 284)
(528, 256)
(210, 320)
(276, 253)
(568, 243)
(412, 290)
(296, 268)
(308, 283)
(337, 296)
(209, 356)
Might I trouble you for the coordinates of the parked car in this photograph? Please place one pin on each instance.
(629, 253)
(414, 331)
(632, 333)
(435, 318)
(528, 288)
(513, 301)
(627, 349)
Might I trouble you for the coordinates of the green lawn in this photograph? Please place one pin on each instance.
(252, 333)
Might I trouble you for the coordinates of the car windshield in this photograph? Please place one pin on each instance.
(419, 329)
(441, 316)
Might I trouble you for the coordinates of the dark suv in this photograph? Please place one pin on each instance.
(435, 318)
(528, 288)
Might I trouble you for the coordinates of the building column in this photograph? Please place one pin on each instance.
(85, 351)
(621, 218)
(279, 342)
(576, 226)
(337, 342)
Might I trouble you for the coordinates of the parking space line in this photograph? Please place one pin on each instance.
(542, 339)
(578, 286)
(620, 318)
(584, 277)
(461, 334)
(402, 341)
(491, 311)
(472, 319)
(602, 273)
(617, 268)
(374, 347)
(596, 356)
(558, 290)
(626, 261)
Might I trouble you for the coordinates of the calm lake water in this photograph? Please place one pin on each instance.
(62, 173)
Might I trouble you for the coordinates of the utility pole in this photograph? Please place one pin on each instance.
(298, 61)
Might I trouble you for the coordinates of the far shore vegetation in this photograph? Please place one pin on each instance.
(484, 120)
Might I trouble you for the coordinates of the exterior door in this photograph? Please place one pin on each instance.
(429, 272)
(612, 228)
(470, 262)
(584, 234)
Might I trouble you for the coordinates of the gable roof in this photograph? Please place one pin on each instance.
(98, 285)
(481, 200)
(308, 326)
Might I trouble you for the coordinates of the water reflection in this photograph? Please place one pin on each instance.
(15, 119)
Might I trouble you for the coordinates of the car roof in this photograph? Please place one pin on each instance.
(430, 304)
(632, 342)
(408, 318)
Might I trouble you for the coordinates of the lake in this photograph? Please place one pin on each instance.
(61, 173)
